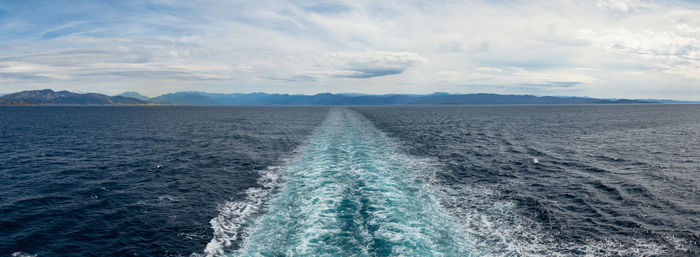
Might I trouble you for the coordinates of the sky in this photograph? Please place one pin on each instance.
(596, 48)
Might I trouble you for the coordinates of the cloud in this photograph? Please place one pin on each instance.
(565, 83)
(329, 66)
(553, 85)
(372, 64)
(363, 73)
(645, 43)
(671, 49)
(329, 8)
(593, 48)
(120, 62)
(621, 5)
(294, 78)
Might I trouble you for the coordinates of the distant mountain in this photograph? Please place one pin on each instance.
(134, 94)
(210, 99)
(667, 101)
(50, 97)
(185, 98)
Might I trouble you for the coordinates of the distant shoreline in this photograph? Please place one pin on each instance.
(48, 97)
(393, 105)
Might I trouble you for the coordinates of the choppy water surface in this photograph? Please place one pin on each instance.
(602, 180)
(356, 181)
(125, 181)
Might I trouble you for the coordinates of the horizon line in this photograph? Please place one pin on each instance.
(363, 94)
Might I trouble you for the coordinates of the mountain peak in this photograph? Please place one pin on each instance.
(134, 94)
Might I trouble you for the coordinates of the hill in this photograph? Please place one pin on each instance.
(50, 97)
(134, 94)
(209, 99)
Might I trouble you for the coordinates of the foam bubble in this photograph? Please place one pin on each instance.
(22, 254)
(234, 217)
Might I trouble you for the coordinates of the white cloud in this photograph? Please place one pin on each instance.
(545, 47)
(371, 64)
(621, 5)
(646, 43)
(667, 42)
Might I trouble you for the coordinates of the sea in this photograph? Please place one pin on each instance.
(547, 180)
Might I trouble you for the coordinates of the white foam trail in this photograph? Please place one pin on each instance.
(234, 218)
(351, 192)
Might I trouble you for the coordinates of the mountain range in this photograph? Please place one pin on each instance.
(237, 99)
(134, 94)
(50, 97)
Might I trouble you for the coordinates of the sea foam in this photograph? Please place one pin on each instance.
(349, 192)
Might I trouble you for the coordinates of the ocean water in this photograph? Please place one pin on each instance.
(132, 181)
(596, 180)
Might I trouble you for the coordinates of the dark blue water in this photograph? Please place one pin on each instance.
(619, 180)
(601, 180)
(132, 181)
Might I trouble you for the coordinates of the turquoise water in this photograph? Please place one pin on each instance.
(348, 193)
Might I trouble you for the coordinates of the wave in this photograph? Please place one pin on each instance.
(349, 192)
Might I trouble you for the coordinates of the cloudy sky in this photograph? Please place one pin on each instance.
(598, 48)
